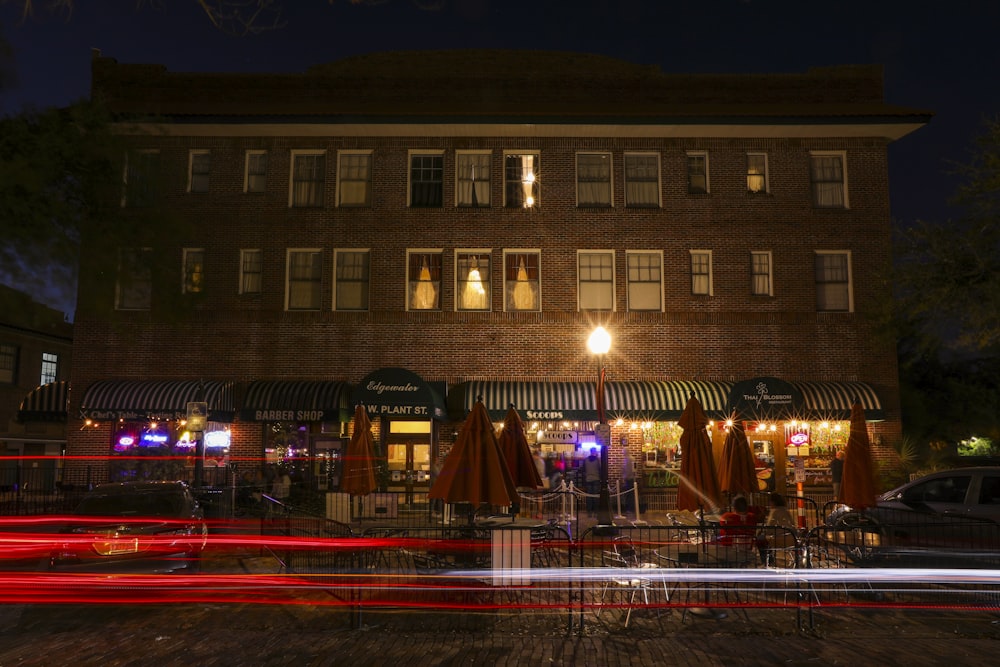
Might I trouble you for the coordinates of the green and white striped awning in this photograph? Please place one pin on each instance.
(297, 400)
(833, 400)
(45, 403)
(653, 401)
(137, 400)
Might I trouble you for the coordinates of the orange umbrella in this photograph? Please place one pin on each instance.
(857, 487)
(516, 452)
(475, 470)
(358, 475)
(737, 473)
(699, 487)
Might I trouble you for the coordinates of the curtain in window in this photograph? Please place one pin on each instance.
(352, 281)
(641, 181)
(304, 274)
(473, 180)
(194, 261)
(474, 282)
(355, 180)
(522, 282)
(425, 282)
(828, 181)
(520, 181)
(425, 181)
(756, 167)
(700, 274)
(251, 272)
(697, 174)
(256, 172)
(760, 274)
(593, 174)
(307, 189)
(832, 287)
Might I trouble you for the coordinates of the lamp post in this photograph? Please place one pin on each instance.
(599, 343)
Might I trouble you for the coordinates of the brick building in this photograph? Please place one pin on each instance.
(413, 230)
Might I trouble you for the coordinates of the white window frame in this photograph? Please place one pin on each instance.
(610, 203)
(711, 287)
(606, 252)
(766, 174)
(427, 152)
(440, 286)
(537, 252)
(288, 279)
(336, 281)
(842, 154)
(369, 188)
(850, 280)
(629, 282)
(659, 178)
(188, 273)
(459, 181)
(244, 253)
(753, 273)
(125, 203)
(297, 152)
(246, 171)
(49, 369)
(536, 186)
(485, 259)
(687, 164)
(192, 154)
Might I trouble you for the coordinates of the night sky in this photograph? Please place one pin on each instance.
(938, 56)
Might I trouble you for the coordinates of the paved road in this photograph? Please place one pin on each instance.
(308, 634)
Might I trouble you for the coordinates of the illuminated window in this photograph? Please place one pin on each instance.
(829, 179)
(596, 273)
(701, 272)
(522, 280)
(423, 280)
(134, 285)
(642, 180)
(760, 273)
(50, 368)
(354, 179)
(520, 177)
(472, 280)
(255, 172)
(697, 164)
(251, 271)
(194, 270)
(308, 179)
(833, 282)
(593, 179)
(352, 271)
(472, 179)
(757, 173)
(645, 281)
(305, 276)
(199, 166)
(426, 180)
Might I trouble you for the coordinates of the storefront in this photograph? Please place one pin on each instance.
(34, 452)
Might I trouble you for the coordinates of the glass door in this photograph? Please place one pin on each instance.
(409, 467)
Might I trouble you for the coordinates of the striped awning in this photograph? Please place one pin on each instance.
(297, 400)
(45, 403)
(833, 400)
(653, 401)
(135, 400)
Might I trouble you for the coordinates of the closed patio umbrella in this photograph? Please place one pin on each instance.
(698, 487)
(857, 487)
(737, 474)
(475, 470)
(516, 452)
(358, 475)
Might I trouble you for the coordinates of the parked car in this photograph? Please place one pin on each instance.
(133, 526)
(947, 518)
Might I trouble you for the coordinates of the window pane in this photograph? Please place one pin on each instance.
(700, 274)
(521, 281)
(307, 180)
(596, 281)
(760, 271)
(50, 367)
(304, 280)
(697, 174)
(256, 172)
(641, 181)
(832, 287)
(644, 281)
(250, 271)
(593, 174)
(520, 181)
(194, 263)
(827, 175)
(473, 180)
(756, 171)
(352, 280)
(426, 185)
(200, 166)
(8, 363)
(355, 180)
(424, 284)
(473, 272)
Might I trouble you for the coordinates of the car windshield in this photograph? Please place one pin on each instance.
(140, 505)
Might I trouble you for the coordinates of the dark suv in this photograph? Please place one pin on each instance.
(133, 526)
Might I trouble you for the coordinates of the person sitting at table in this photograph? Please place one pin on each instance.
(737, 527)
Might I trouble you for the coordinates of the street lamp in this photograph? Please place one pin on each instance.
(599, 343)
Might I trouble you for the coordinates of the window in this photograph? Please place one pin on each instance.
(50, 368)
(642, 180)
(255, 176)
(757, 173)
(472, 280)
(134, 286)
(426, 180)
(760, 273)
(833, 282)
(308, 178)
(8, 363)
(520, 177)
(423, 280)
(194, 268)
(701, 272)
(354, 184)
(142, 178)
(593, 179)
(522, 280)
(305, 275)
(351, 275)
(829, 180)
(472, 179)
(950, 489)
(645, 281)
(251, 271)
(697, 173)
(199, 164)
(596, 272)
